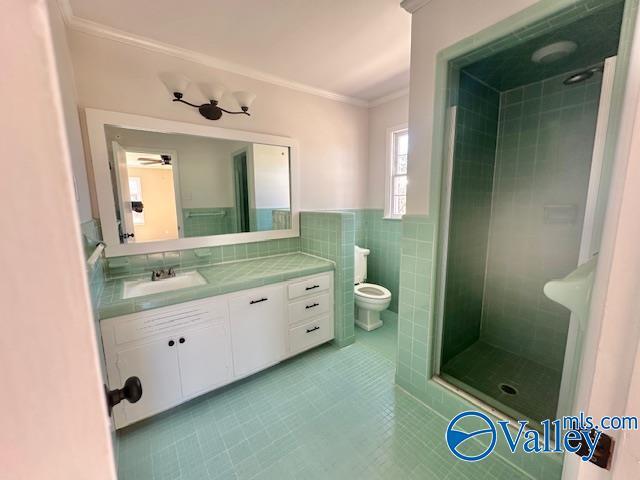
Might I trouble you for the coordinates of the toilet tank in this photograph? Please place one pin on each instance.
(360, 264)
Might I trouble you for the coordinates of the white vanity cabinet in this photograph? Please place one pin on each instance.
(258, 329)
(185, 350)
(177, 352)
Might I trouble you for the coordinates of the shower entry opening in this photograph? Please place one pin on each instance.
(523, 187)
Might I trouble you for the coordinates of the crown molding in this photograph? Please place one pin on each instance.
(99, 30)
(413, 6)
(387, 98)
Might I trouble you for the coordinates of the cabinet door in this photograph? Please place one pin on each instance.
(204, 356)
(258, 329)
(156, 364)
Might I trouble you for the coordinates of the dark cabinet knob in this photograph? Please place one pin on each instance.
(182, 340)
(131, 391)
(171, 343)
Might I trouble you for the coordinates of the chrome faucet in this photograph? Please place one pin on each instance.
(162, 273)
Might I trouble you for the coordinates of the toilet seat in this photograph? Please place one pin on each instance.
(372, 291)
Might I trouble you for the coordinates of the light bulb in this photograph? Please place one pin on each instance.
(212, 91)
(245, 99)
(175, 82)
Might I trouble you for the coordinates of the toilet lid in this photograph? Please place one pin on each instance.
(371, 290)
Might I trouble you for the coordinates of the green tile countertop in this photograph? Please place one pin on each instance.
(221, 278)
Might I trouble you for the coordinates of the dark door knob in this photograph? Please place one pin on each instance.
(171, 343)
(131, 390)
(182, 340)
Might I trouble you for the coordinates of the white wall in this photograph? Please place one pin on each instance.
(204, 164)
(54, 415)
(270, 165)
(437, 25)
(332, 135)
(381, 118)
(69, 101)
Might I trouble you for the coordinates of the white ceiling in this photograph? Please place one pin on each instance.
(354, 48)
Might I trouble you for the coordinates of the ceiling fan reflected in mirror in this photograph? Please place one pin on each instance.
(163, 160)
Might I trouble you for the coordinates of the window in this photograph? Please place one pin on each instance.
(398, 148)
(135, 193)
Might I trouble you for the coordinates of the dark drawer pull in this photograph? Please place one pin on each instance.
(312, 305)
(309, 330)
(311, 288)
(258, 301)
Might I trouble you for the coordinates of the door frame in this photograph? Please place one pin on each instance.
(176, 177)
(247, 152)
(55, 422)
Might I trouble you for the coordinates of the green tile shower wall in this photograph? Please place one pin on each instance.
(470, 211)
(530, 22)
(331, 235)
(416, 341)
(136, 264)
(546, 135)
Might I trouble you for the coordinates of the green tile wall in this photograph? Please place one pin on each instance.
(91, 236)
(136, 264)
(264, 219)
(416, 339)
(331, 235)
(281, 219)
(209, 221)
(546, 136)
(470, 211)
(382, 237)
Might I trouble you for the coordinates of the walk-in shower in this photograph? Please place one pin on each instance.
(521, 178)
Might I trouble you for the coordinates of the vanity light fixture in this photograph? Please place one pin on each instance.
(177, 84)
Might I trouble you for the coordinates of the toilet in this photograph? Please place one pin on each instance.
(370, 299)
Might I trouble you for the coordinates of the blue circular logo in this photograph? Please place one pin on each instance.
(456, 437)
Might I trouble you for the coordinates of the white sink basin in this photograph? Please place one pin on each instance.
(138, 288)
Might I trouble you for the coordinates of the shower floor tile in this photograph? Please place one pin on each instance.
(327, 414)
(484, 367)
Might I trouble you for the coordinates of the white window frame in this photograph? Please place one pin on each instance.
(390, 159)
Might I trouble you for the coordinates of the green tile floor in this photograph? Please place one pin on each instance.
(327, 414)
(484, 367)
(383, 340)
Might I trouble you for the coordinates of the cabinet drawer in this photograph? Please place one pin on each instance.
(309, 307)
(309, 286)
(310, 334)
(138, 326)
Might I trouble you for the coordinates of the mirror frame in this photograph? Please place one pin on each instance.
(96, 122)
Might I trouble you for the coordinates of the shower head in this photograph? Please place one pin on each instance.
(582, 76)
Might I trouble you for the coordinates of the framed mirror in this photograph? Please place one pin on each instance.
(163, 185)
